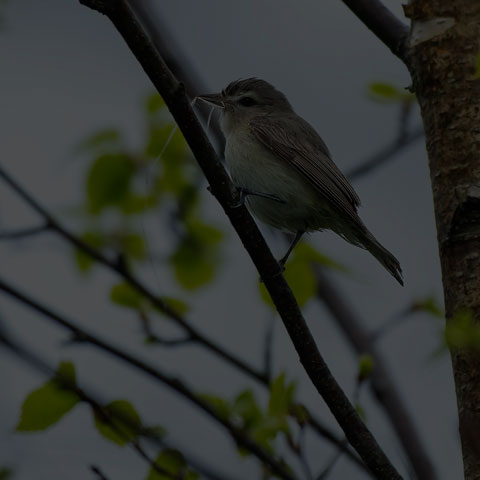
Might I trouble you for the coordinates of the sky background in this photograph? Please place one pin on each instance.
(67, 73)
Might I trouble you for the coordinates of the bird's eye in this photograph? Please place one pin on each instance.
(247, 101)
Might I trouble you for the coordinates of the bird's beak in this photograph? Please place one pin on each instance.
(216, 99)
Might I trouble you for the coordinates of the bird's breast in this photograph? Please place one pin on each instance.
(253, 166)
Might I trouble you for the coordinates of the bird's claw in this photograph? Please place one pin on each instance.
(243, 192)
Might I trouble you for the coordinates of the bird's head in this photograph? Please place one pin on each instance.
(244, 99)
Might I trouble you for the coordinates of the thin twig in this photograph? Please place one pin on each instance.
(151, 337)
(301, 453)
(341, 444)
(173, 94)
(24, 232)
(329, 467)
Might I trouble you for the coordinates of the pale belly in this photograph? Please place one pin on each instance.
(258, 170)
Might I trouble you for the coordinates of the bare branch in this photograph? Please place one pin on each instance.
(386, 26)
(174, 96)
(384, 389)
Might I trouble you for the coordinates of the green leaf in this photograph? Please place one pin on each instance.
(134, 203)
(389, 93)
(179, 306)
(45, 406)
(108, 181)
(384, 90)
(188, 197)
(154, 103)
(84, 261)
(133, 245)
(173, 462)
(301, 280)
(361, 412)
(203, 233)
(477, 67)
(156, 431)
(306, 253)
(462, 331)
(265, 296)
(366, 365)
(429, 305)
(192, 270)
(299, 275)
(221, 406)
(246, 407)
(281, 396)
(125, 295)
(119, 422)
(171, 180)
(265, 432)
(300, 413)
(5, 473)
(195, 260)
(104, 140)
(66, 373)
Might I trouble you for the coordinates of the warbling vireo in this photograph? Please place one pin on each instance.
(284, 169)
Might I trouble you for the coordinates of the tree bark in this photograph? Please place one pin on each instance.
(444, 45)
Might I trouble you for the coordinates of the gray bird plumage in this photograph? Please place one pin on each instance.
(271, 150)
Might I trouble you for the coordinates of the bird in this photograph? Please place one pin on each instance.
(284, 171)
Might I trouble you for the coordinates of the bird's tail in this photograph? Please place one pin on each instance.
(370, 243)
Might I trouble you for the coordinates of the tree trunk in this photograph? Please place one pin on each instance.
(443, 47)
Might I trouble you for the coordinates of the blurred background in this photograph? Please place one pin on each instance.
(66, 75)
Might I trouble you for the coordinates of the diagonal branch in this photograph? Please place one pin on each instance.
(183, 70)
(382, 385)
(174, 96)
(386, 26)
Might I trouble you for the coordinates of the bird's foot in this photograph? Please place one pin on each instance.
(243, 192)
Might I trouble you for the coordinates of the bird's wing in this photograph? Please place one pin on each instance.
(301, 146)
